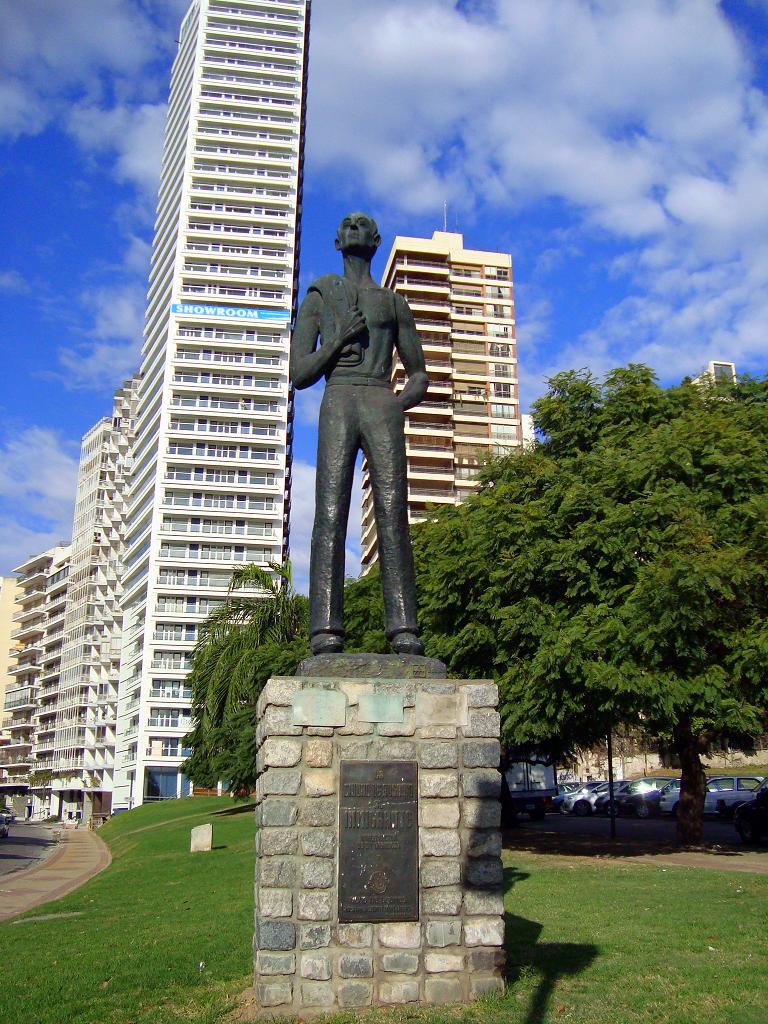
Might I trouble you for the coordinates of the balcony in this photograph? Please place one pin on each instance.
(15, 782)
(17, 699)
(433, 494)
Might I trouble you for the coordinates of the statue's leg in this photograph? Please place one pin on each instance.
(337, 447)
(383, 441)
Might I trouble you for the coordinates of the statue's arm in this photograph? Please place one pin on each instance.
(308, 364)
(412, 355)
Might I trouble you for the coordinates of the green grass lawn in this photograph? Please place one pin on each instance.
(588, 942)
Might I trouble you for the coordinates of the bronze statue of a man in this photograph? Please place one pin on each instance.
(359, 326)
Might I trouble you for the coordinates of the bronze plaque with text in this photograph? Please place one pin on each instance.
(379, 841)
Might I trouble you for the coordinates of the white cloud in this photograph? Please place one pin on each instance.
(38, 477)
(52, 51)
(640, 120)
(131, 135)
(12, 281)
(302, 518)
(96, 69)
(117, 316)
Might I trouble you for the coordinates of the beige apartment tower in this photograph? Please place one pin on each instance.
(462, 302)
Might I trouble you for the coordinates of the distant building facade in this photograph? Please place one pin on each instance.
(40, 602)
(83, 714)
(9, 588)
(463, 304)
(720, 371)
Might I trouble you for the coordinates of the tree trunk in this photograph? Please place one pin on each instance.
(693, 786)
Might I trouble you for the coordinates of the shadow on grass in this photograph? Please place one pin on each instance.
(590, 837)
(549, 961)
(237, 808)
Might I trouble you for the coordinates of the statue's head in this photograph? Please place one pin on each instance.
(358, 234)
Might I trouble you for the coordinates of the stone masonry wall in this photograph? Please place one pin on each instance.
(305, 960)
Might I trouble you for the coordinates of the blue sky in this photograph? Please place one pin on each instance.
(617, 149)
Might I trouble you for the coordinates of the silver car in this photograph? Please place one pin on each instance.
(669, 797)
(581, 800)
(726, 792)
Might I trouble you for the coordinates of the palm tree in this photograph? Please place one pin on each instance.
(259, 631)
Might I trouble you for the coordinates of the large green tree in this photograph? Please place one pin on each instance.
(616, 572)
(261, 630)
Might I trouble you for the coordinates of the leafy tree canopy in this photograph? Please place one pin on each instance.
(617, 569)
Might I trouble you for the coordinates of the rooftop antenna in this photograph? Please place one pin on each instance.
(445, 215)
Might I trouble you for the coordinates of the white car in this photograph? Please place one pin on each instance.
(726, 792)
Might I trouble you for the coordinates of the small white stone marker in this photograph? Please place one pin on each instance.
(201, 839)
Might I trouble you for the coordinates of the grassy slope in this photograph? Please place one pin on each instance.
(145, 925)
(589, 943)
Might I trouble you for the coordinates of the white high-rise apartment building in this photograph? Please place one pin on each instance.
(211, 473)
(462, 302)
(80, 716)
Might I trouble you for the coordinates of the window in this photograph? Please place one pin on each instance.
(721, 785)
(748, 784)
(171, 746)
(505, 433)
(164, 718)
(170, 689)
(172, 577)
(506, 412)
(502, 390)
(160, 783)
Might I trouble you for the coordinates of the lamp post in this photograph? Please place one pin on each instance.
(611, 804)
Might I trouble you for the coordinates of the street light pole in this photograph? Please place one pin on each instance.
(611, 804)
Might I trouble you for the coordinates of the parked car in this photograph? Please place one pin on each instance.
(751, 817)
(641, 797)
(579, 800)
(563, 789)
(669, 797)
(726, 792)
(602, 799)
(7, 816)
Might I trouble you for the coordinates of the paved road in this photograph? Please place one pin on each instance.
(651, 831)
(26, 846)
(652, 841)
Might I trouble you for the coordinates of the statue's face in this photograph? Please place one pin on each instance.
(358, 233)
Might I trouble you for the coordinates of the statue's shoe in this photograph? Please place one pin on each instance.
(326, 643)
(407, 643)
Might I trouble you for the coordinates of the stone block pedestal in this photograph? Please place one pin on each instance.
(305, 958)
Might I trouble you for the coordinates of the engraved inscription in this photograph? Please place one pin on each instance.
(378, 841)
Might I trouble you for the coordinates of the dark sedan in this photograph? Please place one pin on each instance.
(751, 818)
(602, 802)
(641, 797)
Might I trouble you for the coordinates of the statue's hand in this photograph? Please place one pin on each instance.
(414, 391)
(351, 324)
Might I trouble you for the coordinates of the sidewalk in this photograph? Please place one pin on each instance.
(80, 856)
